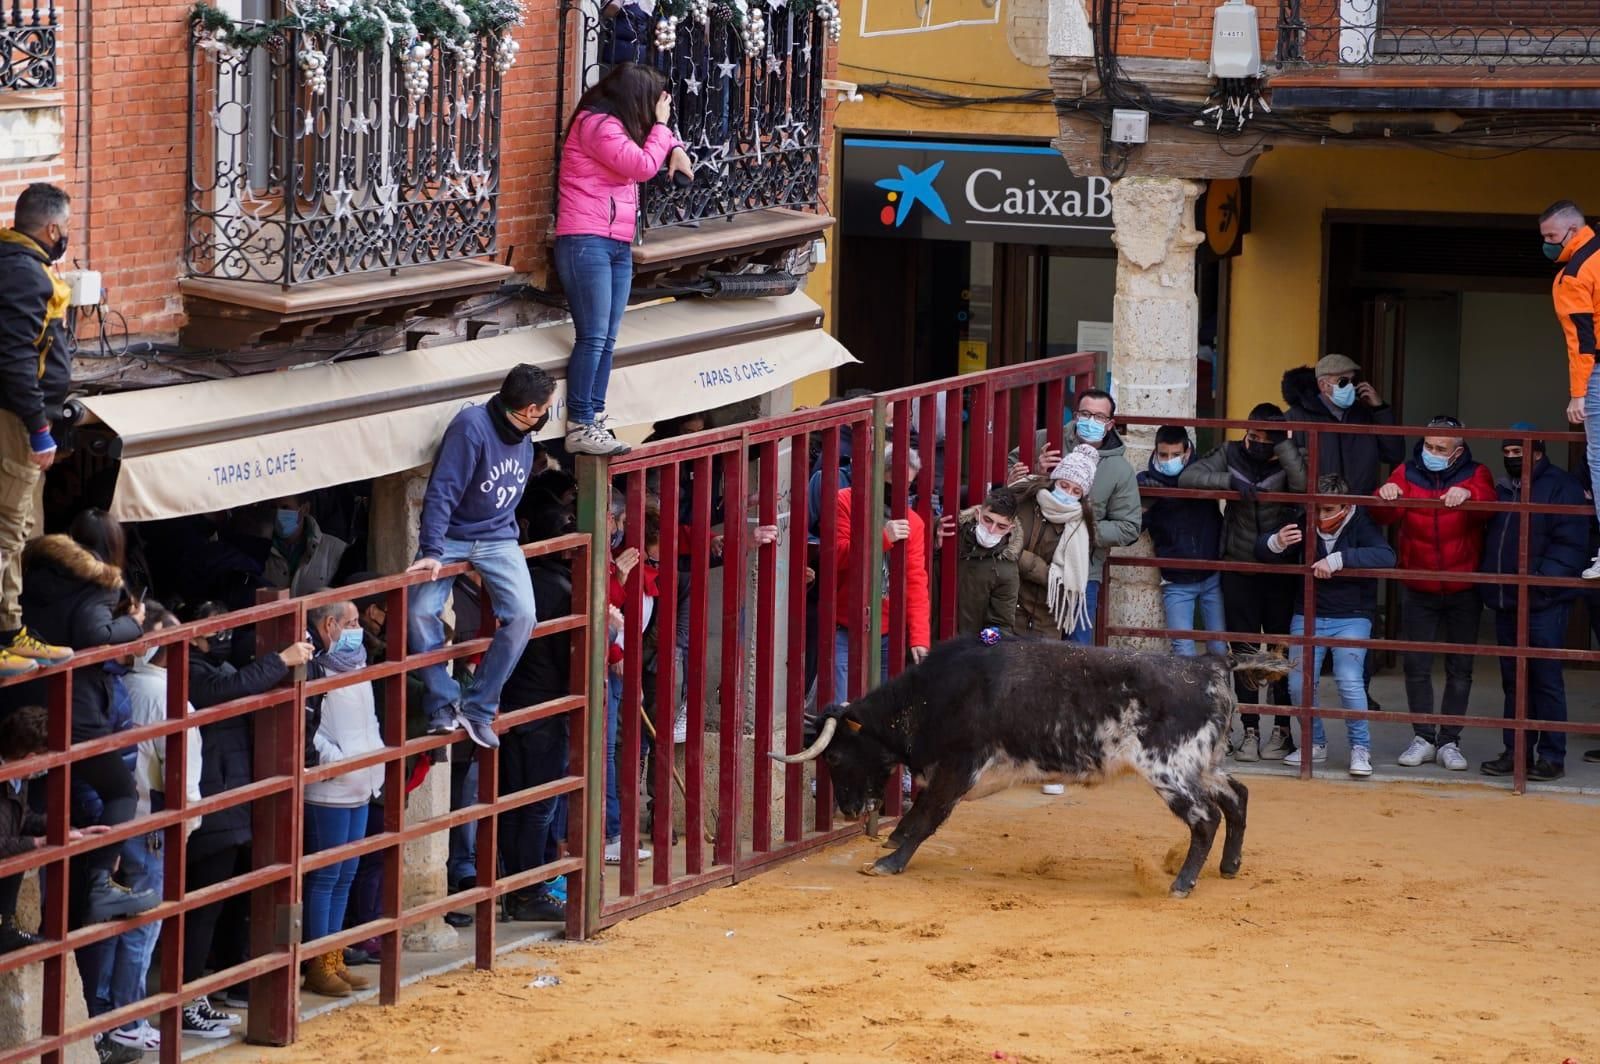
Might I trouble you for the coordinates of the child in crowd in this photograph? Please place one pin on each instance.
(1345, 538)
(986, 576)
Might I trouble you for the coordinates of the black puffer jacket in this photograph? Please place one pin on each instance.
(1244, 520)
(1356, 458)
(227, 752)
(35, 362)
(18, 825)
(70, 597)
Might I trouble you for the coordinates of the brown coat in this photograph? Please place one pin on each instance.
(1038, 539)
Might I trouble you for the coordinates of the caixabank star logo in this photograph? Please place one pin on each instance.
(907, 190)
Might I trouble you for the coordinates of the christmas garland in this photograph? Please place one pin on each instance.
(454, 24)
(746, 16)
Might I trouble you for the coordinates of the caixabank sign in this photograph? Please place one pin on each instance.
(959, 190)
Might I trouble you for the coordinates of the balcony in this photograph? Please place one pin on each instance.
(748, 105)
(318, 165)
(1420, 54)
(28, 45)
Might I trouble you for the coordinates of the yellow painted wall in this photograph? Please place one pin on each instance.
(970, 60)
(1275, 315)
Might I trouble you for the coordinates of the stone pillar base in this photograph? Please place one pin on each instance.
(423, 864)
(22, 990)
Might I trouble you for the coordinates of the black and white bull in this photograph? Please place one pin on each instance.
(972, 719)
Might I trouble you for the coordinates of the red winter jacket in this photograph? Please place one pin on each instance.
(1436, 538)
(918, 608)
(617, 595)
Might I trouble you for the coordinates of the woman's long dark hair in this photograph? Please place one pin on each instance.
(101, 534)
(628, 93)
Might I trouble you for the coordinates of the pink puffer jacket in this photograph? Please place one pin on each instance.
(600, 170)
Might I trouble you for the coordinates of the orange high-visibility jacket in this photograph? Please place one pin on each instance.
(1577, 296)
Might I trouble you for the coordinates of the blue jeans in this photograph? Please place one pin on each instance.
(613, 792)
(841, 664)
(122, 964)
(1196, 606)
(1591, 432)
(328, 889)
(596, 274)
(462, 862)
(505, 572)
(1083, 635)
(1547, 685)
(1349, 672)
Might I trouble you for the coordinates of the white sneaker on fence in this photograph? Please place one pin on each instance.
(1593, 572)
(1360, 761)
(1419, 752)
(1319, 754)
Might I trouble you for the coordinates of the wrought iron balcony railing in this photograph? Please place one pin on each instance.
(747, 102)
(1439, 32)
(309, 159)
(28, 44)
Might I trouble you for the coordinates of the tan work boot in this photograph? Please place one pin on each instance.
(322, 977)
(342, 970)
(26, 646)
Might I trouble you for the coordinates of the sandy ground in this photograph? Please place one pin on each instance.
(1368, 923)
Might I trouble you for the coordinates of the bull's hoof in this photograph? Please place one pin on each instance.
(1179, 891)
(1229, 871)
(877, 868)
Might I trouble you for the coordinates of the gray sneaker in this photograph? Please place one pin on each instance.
(1279, 745)
(1249, 747)
(481, 732)
(592, 439)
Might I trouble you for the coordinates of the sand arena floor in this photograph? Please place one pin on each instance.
(1369, 923)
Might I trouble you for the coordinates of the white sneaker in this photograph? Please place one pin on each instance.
(1360, 761)
(614, 852)
(1450, 757)
(1054, 789)
(1319, 754)
(1419, 752)
(1593, 572)
(680, 726)
(142, 1037)
(592, 439)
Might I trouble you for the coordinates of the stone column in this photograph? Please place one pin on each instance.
(1155, 336)
(396, 510)
(22, 990)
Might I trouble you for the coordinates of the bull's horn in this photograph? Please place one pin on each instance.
(811, 752)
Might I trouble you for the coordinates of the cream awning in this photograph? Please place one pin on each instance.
(196, 448)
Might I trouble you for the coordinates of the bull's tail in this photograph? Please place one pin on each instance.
(1262, 667)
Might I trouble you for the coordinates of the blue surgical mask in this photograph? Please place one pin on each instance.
(616, 539)
(1170, 467)
(148, 655)
(1434, 463)
(288, 523)
(1089, 430)
(349, 641)
(1063, 496)
(1344, 396)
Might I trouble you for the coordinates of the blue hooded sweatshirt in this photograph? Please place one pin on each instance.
(477, 481)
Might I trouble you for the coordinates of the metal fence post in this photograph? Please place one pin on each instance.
(594, 501)
(874, 534)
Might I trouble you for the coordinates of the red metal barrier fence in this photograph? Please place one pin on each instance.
(1314, 437)
(273, 883)
(698, 483)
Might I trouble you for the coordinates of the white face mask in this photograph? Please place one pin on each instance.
(987, 539)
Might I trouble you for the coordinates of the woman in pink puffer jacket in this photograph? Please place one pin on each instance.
(618, 137)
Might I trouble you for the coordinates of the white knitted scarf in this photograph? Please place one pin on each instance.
(1068, 582)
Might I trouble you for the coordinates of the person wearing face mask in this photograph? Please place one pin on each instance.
(1333, 393)
(1266, 460)
(305, 558)
(469, 513)
(1570, 243)
(1441, 538)
(35, 372)
(124, 977)
(1186, 529)
(345, 726)
(1557, 547)
(1343, 538)
(987, 549)
(1057, 534)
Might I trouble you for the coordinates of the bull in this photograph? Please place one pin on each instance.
(973, 718)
